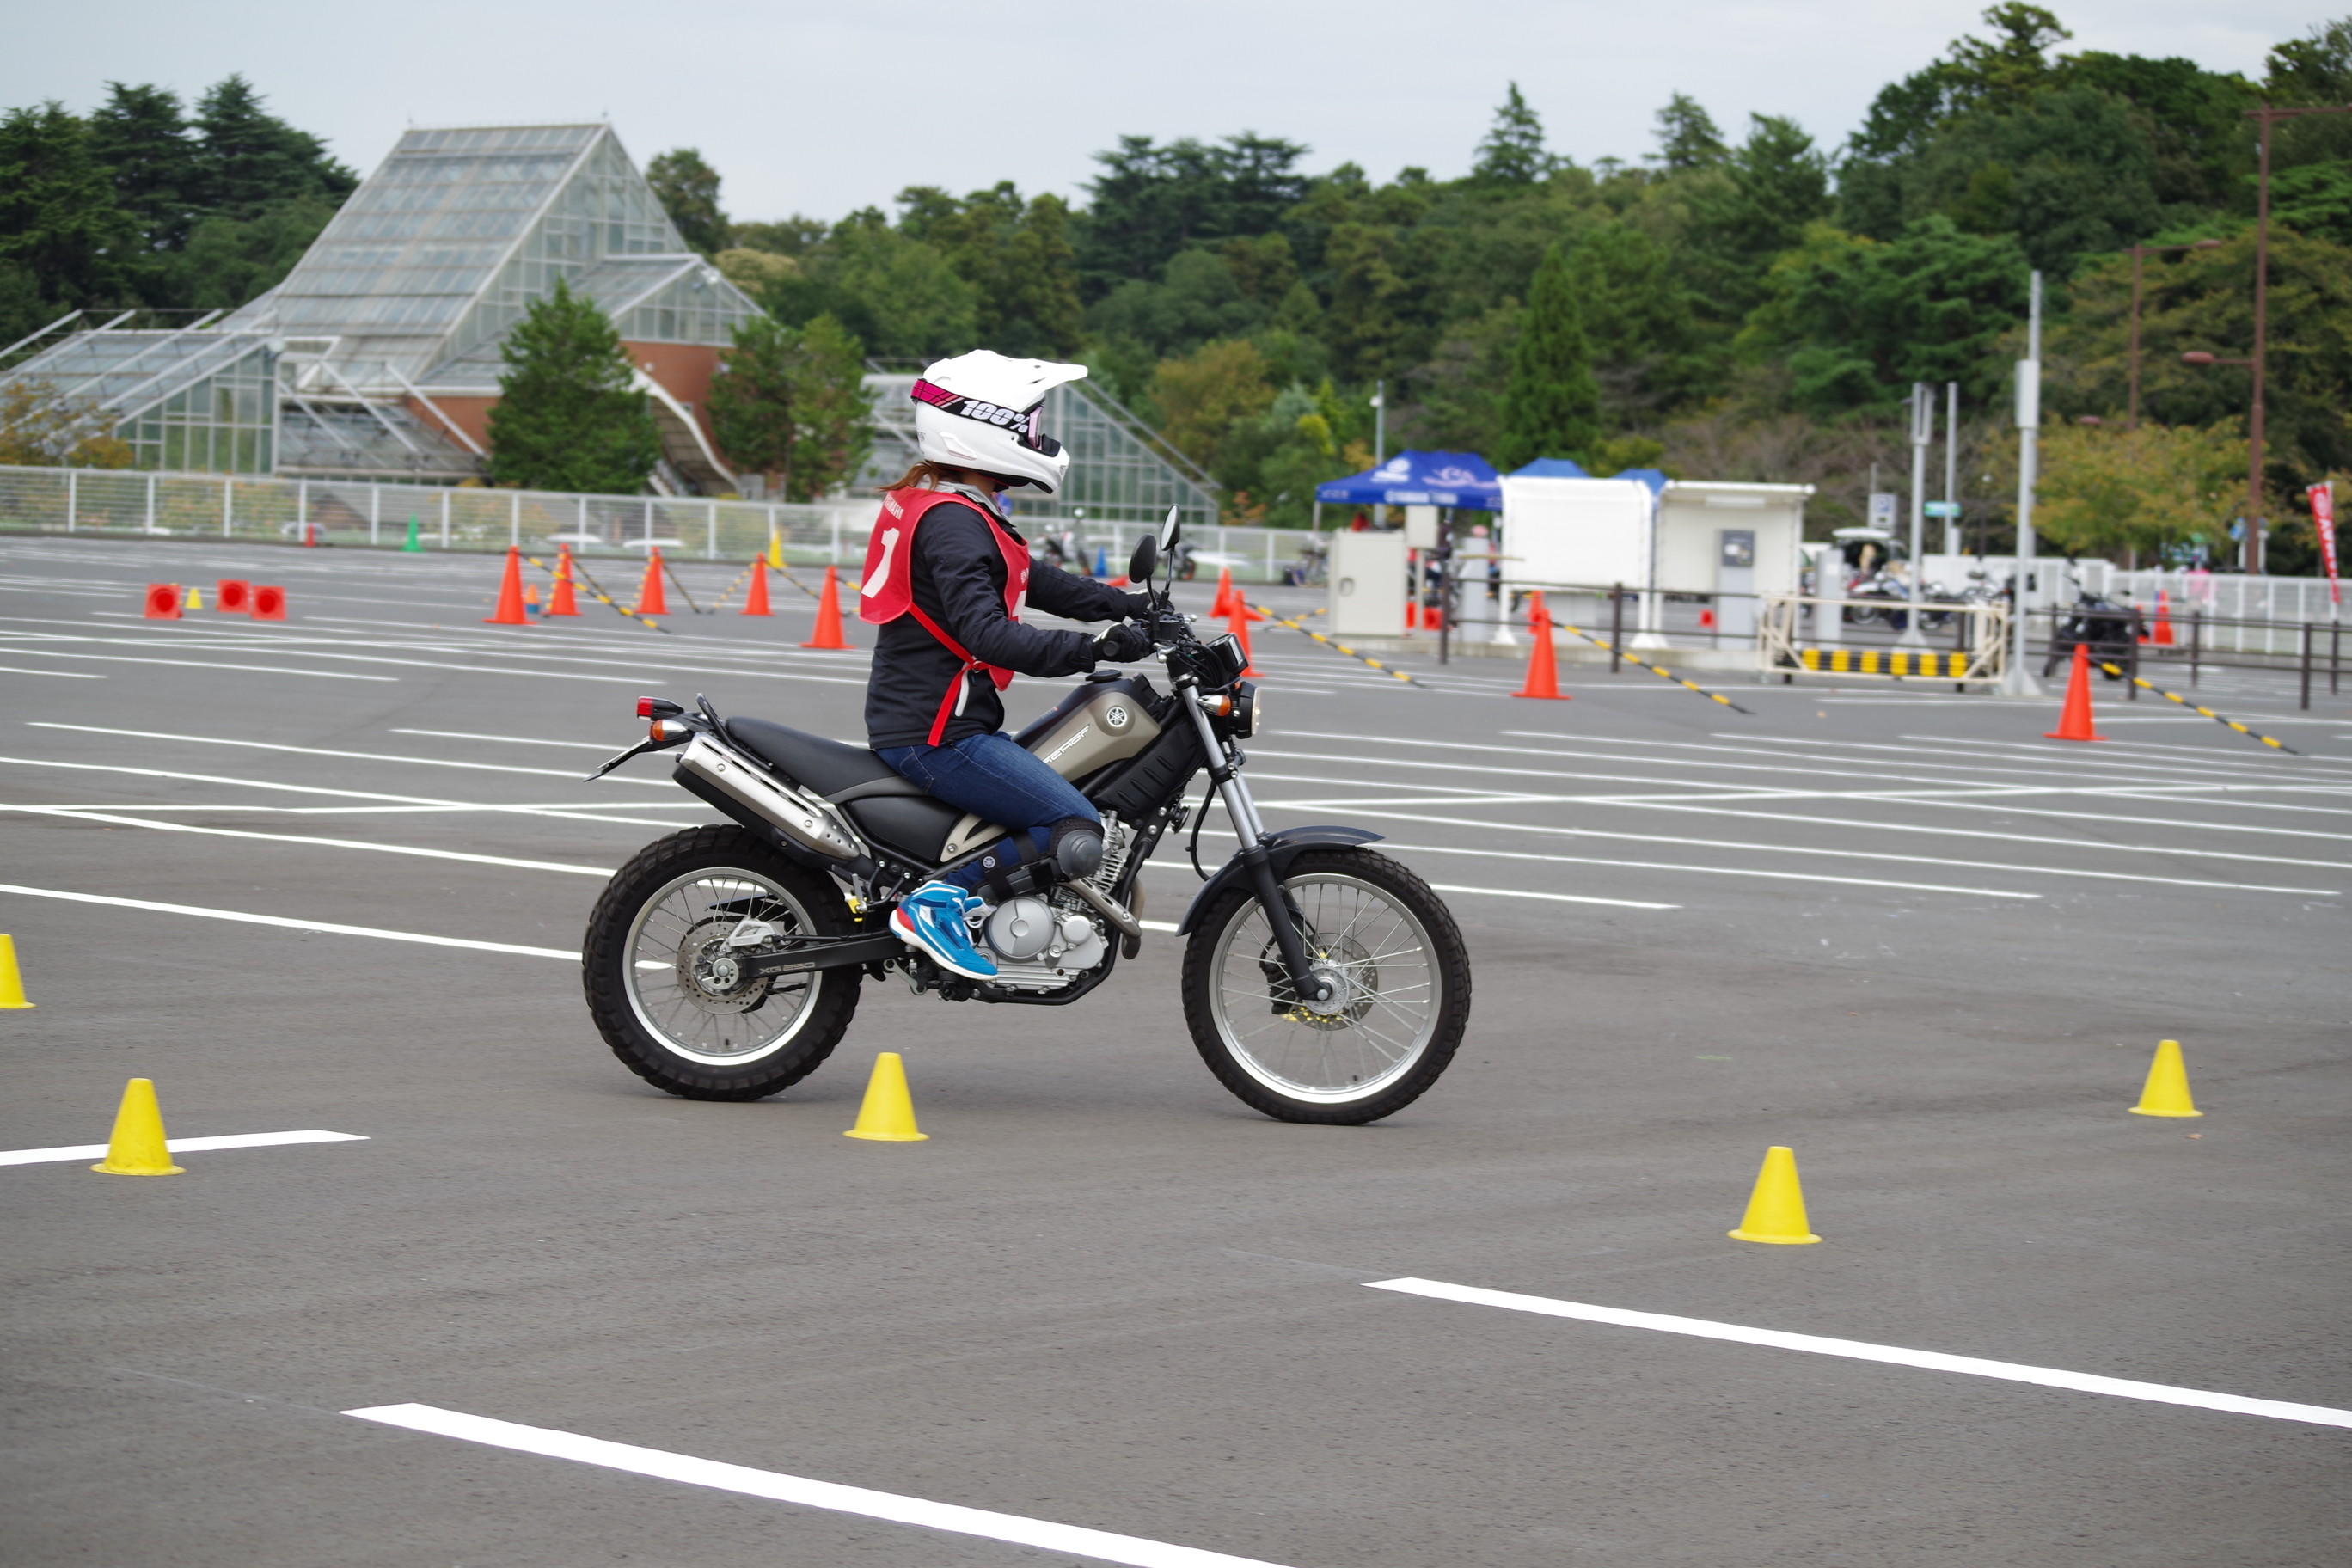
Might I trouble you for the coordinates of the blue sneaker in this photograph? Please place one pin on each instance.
(930, 920)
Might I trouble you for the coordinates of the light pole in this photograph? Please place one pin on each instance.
(1922, 431)
(2251, 548)
(2137, 251)
(1952, 469)
(2020, 681)
(1380, 423)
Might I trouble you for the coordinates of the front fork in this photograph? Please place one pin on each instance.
(1257, 861)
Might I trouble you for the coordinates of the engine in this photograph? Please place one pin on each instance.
(1043, 943)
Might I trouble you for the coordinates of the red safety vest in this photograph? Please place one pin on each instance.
(887, 589)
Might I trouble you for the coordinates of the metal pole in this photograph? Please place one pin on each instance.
(711, 549)
(1923, 430)
(302, 510)
(1380, 420)
(1952, 541)
(514, 520)
(375, 512)
(2305, 704)
(444, 517)
(2196, 642)
(228, 504)
(73, 497)
(2262, 306)
(1616, 626)
(151, 503)
(2019, 681)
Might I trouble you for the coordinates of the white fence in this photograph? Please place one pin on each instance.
(255, 509)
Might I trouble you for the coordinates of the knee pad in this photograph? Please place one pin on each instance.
(1077, 848)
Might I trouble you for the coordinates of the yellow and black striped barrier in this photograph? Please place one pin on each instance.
(1661, 672)
(580, 573)
(2228, 723)
(1884, 661)
(1265, 613)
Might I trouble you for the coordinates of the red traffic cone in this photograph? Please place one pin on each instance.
(232, 596)
(1223, 605)
(1237, 622)
(827, 633)
(755, 597)
(268, 603)
(1543, 661)
(163, 601)
(1706, 620)
(558, 598)
(2074, 718)
(651, 601)
(2163, 621)
(509, 610)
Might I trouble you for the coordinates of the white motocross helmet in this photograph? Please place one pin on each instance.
(986, 411)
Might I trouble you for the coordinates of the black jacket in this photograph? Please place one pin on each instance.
(958, 581)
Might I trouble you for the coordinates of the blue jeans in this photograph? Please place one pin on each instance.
(993, 778)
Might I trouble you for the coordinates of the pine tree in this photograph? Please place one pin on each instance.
(1551, 405)
(566, 418)
(141, 134)
(790, 404)
(1687, 137)
(687, 189)
(1513, 151)
(249, 158)
(64, 243)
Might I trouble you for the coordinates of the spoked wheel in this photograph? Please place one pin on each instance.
(1403, 996)
(663, 964)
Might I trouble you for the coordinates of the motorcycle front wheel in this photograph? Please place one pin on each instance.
(661, 966)
(1405, 976)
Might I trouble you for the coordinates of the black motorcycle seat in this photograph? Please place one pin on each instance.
(828, 767)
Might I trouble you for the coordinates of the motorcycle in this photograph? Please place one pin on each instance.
(2110, 630)
(1322, 982)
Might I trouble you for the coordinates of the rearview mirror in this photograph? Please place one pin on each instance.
(1168, 532)
(1140, 564)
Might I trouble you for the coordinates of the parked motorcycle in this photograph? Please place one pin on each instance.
(1322, 982)
(2110, 629)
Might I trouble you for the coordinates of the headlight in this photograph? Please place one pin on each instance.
(1249, 710)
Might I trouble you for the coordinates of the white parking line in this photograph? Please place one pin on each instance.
(181, 1145)
(61, 674)
(1859, 1350)
(19, 651)
(604, 746)
(830, 1496)
(325, 752)
(329, 927)
(317, 843)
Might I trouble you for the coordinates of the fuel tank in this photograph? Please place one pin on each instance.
(1105, 721)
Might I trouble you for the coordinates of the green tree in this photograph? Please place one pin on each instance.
(62, 236)
(228, 261)
(140, 136)
(1016, 255)
(1687, 137)
(2107, 489)
(899, 296)
(1366, 319)
(687, 189)
(795, 235)
(1202, 395)
(247, 159)
(1512, 151)
(789, 402)
(1552, 406)
(40, 429)
(567, 417)
(1151, 201)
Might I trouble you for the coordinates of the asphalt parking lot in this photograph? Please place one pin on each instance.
(330, 875)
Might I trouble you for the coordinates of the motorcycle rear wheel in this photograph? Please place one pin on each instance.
(1406, 968)
(657, 950)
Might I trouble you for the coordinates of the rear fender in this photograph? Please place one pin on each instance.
(1282, 848)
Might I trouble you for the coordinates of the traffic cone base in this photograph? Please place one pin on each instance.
(163, 601)
(137, 1147)
(1775, 1210)
(510, 612)
(827, 632)
(558, 598)
(886, 1115)
(2074, 716)
(755, 597)
(12, 981)
(651, 599)
(2166, 1092)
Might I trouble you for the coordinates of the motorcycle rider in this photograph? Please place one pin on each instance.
(947, 576)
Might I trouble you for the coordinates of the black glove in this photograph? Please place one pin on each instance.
(1121, 644)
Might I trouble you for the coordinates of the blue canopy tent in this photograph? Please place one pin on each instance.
(1569, 468)
(1421, 479)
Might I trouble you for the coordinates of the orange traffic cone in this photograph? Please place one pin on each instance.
(232, 596)
(268, 603)
(2163, 620)
(2074, 718)
(1237, 622)
(163, 601)
(827, 633)
(1543, 662)
(650, 598)
(755, 597)
(558, 598)
(530, 598)
(509, 610)
(1223, 605)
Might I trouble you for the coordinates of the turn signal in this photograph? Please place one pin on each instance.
(665, 733)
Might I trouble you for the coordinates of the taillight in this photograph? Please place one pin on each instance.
(657, 708)
(645, 707)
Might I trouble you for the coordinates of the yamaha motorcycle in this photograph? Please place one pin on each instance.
(1322, 981)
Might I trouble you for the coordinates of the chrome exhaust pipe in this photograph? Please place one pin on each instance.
(748, 792)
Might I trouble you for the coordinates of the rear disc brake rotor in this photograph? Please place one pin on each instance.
(711, 975)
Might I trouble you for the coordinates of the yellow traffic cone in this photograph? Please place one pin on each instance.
(887, 1116)
(776, 552)
(1775, 1210)
(2166, 1093)
(195, 601)
(12, 984)
(137, 1148)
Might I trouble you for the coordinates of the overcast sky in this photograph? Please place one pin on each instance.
(821, 109)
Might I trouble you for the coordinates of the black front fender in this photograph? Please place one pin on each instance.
(1282, 848)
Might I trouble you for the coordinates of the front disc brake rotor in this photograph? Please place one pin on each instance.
(1343, 960)
(711, 974)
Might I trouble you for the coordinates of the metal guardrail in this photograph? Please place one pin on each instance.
(1800, 635)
